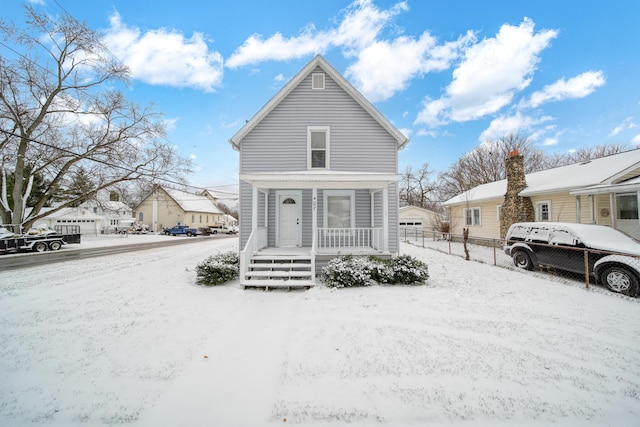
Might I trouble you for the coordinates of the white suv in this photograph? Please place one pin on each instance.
(612, 257)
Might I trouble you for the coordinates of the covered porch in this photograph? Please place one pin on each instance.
(318, 215)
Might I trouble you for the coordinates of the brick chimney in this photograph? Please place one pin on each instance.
(515, 208)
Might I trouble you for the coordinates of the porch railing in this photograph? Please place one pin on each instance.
(257, 240)
(352, 239)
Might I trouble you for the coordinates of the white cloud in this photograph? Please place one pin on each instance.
(550, 141)
(170, 124)
(636, 140)
(576, 87)
(386, 67)
(626, 124)
(517, 123)
(279, 77)
(491, 73)
(151, 56)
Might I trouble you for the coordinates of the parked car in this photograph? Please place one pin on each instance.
(613, 258)
(180, 230)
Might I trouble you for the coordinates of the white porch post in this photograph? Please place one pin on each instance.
(613, 209)
(254, 209)
(314, 214)
(385, 219)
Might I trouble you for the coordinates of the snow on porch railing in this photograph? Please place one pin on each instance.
(257, 240)
(353, 239)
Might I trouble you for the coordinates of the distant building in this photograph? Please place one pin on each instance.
(166, 207)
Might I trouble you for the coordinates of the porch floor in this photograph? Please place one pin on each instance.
(306, 250)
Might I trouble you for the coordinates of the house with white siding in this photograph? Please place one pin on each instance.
(601, 191)
(318, 178)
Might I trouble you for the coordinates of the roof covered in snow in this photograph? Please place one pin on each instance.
(603, 172)
(190, 202)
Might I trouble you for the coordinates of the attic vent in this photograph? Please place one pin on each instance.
(317, 81)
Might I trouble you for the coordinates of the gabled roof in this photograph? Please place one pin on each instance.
(604, 171)
(318, 61)
(190, 202)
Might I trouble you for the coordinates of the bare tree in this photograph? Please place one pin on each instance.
(60, 112)
(485, 164)
(417, 189)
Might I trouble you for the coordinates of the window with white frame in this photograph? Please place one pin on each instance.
(543, 211)
(339, 208)
(317, 81)
(318, 147)
(472, 216)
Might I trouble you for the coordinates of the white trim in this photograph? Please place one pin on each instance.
(464, 216)
(318, 61)
(327, 193)
(297, 194)
(313, 81)
(538, 211)
(327, 132)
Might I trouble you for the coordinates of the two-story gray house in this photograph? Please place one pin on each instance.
(318, 178)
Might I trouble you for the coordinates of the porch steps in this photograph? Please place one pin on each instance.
(279, 271)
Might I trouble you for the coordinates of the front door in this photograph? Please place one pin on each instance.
(289, 220)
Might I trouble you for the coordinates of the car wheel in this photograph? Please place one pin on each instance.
(55, 245)
(620, 280)
(189, 234)
(522, 260)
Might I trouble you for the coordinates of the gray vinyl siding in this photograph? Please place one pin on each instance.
(279, 142)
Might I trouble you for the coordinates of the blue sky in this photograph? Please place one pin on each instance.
(449, 74)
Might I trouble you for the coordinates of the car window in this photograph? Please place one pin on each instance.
(562, 237)
(539, 235)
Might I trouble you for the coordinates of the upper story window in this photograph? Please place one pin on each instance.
(318, 147)
(317, 81)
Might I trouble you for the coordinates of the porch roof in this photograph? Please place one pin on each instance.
(320, 179)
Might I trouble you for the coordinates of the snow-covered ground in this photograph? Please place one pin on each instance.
(131, 340)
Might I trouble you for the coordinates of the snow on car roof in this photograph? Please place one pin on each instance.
(594, 236)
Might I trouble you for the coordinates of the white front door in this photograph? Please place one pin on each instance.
(289, 220)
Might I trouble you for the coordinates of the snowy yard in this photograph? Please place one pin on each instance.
(131, 340)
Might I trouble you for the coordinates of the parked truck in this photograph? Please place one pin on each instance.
(37, 239)
(180, 230)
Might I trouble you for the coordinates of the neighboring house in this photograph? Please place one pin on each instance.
(166, 207)
(318, 178)
(601, 191)
(93, 217)
(417, 217)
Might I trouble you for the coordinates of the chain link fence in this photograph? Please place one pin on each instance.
(617, 271)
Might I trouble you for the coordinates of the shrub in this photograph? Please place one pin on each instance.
(218, 269)
(350, 271)
(408, 270)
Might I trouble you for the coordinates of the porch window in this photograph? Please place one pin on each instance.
(140, 216)
(627, 206)
(543, 211)
(339, 209)
(318, 148)
(472, 216)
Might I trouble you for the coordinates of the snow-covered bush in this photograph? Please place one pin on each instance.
(408, 270)
(348, 271)
(351, 271)
(218, 269)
